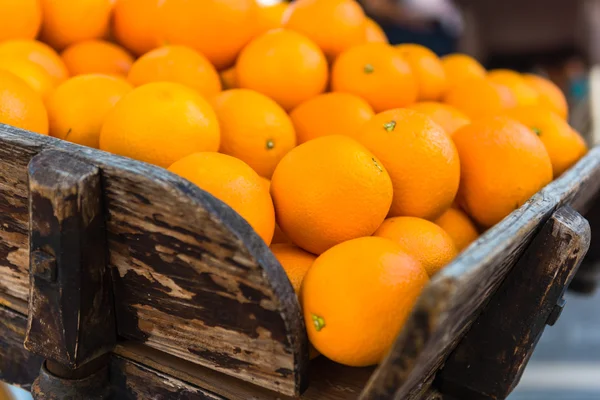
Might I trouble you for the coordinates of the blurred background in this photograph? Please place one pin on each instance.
(556, 38)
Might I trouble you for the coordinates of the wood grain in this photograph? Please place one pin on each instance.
(490, 360)
(191, 278)
(17, 366)
(455, 297)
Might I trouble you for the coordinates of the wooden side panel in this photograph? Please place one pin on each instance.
(455, 297)
(191, 277)
(17, 366)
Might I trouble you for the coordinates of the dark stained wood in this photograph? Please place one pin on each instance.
(489, 361)
(191, 278)
(455, 297)
(17, 366)
(328, 380)
(134, 381)
(71, 318)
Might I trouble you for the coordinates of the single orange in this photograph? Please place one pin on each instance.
(374, 33)
(20, 105)
(428, 70)
(422, 239)
(218, 29)
(524, 94)
(480, 97)
(378, 73)
(564, 145)
(19, 19)
(420, 158)
(334, 25)
(295, 261)
(97, 57)
(78, 107)
(461, 67)
(550, 95)
(254, 129)
(284, 65)
(330, 114)
(503, 163)
(229, 79)
(270, 15)
(70, 21)
(356, 298)
(235, 184)
(32, 73)
(459, 226)
(444, 115)
(319, 184)
(160, 123)
(134, 24)
(37, 52)
(179, 64)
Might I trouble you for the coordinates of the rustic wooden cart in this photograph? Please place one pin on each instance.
(119, 280)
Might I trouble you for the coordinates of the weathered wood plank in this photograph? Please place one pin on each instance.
(191, 278)
(71, 318)
(490, 359)
(17, 366)
(455, 297)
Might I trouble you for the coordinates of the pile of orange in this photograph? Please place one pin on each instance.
(368, 166)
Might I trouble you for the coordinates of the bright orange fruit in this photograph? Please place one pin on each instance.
(38, 78)
(295, 261)
(284, 65)
(19, 19)
(254, 129)
(37, 52)
(356, 298)
(376, 72)
(317, 185)
(479, 97)
(503, 163)
(20, 105)
(330, 114)
(374, 33)
(270, 15)
(234, 183)
(428, 70)
(524, 94)
(461, 67)
(420, 158)
(97, 57)
(550, 95)
(134, 24)
(444, 115)
(459, 226)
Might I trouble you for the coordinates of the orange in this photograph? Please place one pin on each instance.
(330, 114)
(374, 33)
(254, 129)
(218, 29)
(330, 190)
(160, 123)
(564, 145)
(356, 298)
(420, 158)
(428, 70)
(97, 57)
(19, 19)
(134, 24)
(229, 79)
(234, 183)
(461, 67)
(444, 115)
(78, 107)
(179, 64)
(334, 25)
(284, 65)
(71, 21)
(33, 74)
(479, 97)
(524, 94)
(295, 261)
(459, 226)
(550, 95)
(270, 15)
(377, 73)
(422, 239)
(20, 105)
(503, 163)
(37, 52)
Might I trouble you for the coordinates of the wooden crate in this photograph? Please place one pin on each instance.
(146, 287)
